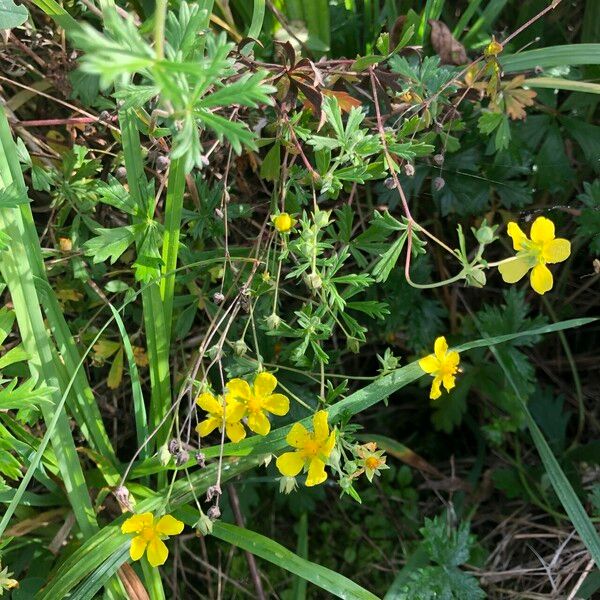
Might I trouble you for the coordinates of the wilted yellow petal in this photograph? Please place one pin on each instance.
(542, 230)
(517, 236)
(157, 552)
(541, 279)
(316, 472)
(169, 525)
(290, 463)
(264, 384)
(297, 435)
(278, 404)
(556, 250)
(515, 269)
(449, 382)
(435, 392)
(429, 364)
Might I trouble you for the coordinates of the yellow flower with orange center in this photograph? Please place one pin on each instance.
(221, 412)
(442, 365)
(258, 400)
(543, 248)
(149, 536)
(371, 460)
(313, 449)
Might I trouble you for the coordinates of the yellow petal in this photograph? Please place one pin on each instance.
(452, 359)
(429, 364)
(259, 423)
(541, 279)
(208, 403)
(169, 525)
(542, 230)
(517, 235)
(515, 269)
(556, 250)
(290, 463)
(208, 426)
(157, 552)
(297, 435)
(235, 431)
(320, 425)
(235, 411)
(278, 404)
(440, 347)
(137, 522)
(435, 388)
(137, 548)
(239, 389)
(316, 472)
(328, 445)
(264, 384)
(449, 382)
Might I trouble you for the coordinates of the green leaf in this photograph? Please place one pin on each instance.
(24, 396)
(271, 165)
(551, 56)
(109, 243)
(12, 15)
(279, 555)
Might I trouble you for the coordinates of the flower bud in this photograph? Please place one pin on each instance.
(218, 298)
(273, 321)
(313, 281)
(409, 169)
(200, 459)
(438, 183)
(181, 458)
(353, 345)
(204, 525)
(164, 456)
(240, 348)
(287, 485)
(212, 491)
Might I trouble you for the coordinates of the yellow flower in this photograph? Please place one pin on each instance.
(534, 253)
(443, 365)
(219, 411)
(258, 400)
(150, 535)
(283, 222)
(312, 450)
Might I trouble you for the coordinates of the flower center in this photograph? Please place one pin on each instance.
(148, 533)
(254, 404)
(372, 463)
(311, 448)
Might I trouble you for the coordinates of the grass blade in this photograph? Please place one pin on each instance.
(552, 56)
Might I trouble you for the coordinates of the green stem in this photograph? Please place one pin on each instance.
(160, 15)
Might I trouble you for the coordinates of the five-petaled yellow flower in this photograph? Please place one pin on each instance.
(229, 411)
(150, 535)
(442, 365)
(312, 450)
(534, 253)
(283, 222)
(258, 400)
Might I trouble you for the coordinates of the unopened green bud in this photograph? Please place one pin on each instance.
(204, 525)
(273, 321)
(240, 348)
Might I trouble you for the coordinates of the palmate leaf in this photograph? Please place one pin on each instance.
(109, 243)
(24, 396)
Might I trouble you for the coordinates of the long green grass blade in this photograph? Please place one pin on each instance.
(557, 83)
(552, 56)
(258, 16)
(299, 587)
(277, 554)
